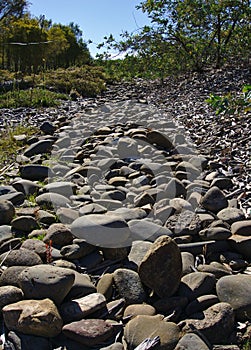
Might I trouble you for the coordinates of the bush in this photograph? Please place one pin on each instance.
(30, 98)
(231, 103)
(88, 81)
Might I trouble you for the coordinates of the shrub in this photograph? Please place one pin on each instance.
(30, 98)
(232, 103)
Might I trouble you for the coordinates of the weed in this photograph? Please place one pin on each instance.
(9, 146)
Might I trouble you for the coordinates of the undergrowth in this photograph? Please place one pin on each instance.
(35, 97)
(9, 146)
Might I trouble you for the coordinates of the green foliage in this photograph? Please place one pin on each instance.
(30, 98)
(188, 35)
(12, 7)
(86, 80)
(33, 44)
(231, 104)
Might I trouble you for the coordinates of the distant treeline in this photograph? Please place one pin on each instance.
(30, 44)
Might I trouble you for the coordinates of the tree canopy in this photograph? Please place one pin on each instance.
(189, 34)
(29, 44)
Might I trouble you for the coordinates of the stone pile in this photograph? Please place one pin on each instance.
(115, 233)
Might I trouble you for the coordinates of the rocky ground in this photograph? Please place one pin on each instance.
(126, 222)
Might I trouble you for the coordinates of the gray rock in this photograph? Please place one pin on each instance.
(185, 223)
(64, 263)
(92, 208)
(129, 286)
(5, 233)
(129, 214)
(52, 200)
(91, 260)
(138, 251)
(46, 281)
(174, 189)
(231, 215)
(77, 250)
(45, 218)
(223, 183)
(67, 215)
(35, 172)
(236, 290)
(242, 228)
(24, 223)
(82, 286)
(89, 332)
(196, 284)
(127, 148)
(157, 138)
(7, 212)
(59, 234)
(217, 269)
(214, 200)
(16, 198)
(47, 128)
(118, 181)
(77, 309)
(9, 277)
(65, 188)
(161, 268)
(37, 246)
(192, 341)
(9, 295)
(147, 230)
(20, 257)
(33, 317)
(109, 204)
(102, 230)
(215, 234)
(40, 147)
(14, 243)
(216, 323)
(180, 204)
(241, 244)
(115, 253)
(187, 263)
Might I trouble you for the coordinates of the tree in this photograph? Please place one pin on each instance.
(25, 41)
(189, 34)
(202, 29)
(12, 8)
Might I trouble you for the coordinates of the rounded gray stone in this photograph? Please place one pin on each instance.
(196, 284)
(236, 290)
(46, 281)
(102, 230)
(7, 212)
(129, 286)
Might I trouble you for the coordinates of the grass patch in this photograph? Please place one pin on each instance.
(31, 98)
(9, 147)
(88, 81)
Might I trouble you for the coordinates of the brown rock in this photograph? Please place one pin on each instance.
(89, 332)
(35, 317)
(161, 268)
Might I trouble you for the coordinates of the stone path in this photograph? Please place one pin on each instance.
(114, 230)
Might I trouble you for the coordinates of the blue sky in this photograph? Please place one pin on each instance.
(96, 18)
